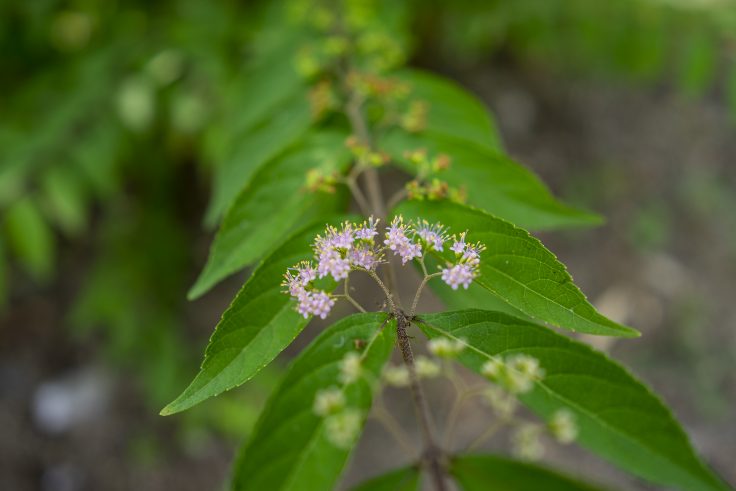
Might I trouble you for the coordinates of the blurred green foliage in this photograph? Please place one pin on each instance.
(109, 107)
(687, 44)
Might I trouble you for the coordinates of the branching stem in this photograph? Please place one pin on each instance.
(419, 291)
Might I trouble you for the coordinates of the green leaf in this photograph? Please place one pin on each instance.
(519, 269)
(493, 182)
(405, 479)
(269, 207)
(698, 63)
(255, 149)
(65, 200)
(257, 326)
(289, 449)
(618, 417)
(453, 111)
(483, 472)
(31, 238)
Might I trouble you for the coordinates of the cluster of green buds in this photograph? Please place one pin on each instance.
(426, 185)
(354, 28)
(517, 373)
(320, 180)
(414, 119)
(342, 423)
(363, 154)
(526, 440)
(398, 375)
(323, 99)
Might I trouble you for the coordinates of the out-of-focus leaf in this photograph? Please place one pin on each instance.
(483, 472)
(31, 238)
(405, 479)
(519, 269)
(290, 448)
(698, 63)
(493, 182)
(269, 207)
(65, 200)
(453, 111)
(255, 149)
(617, 416)
(258, 325)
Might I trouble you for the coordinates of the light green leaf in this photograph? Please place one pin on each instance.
(453, 111)
(405, 479)
(493, 182)
(65, 200)
(483, 472)
(290, 448)
(257, 326)
(519, 269)
(618, 417)
(255, 149)
(269, 207)
(30, 238)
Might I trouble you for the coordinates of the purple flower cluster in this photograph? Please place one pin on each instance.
(353, 247)
(398, 240)
(465, 270)
(298, 281)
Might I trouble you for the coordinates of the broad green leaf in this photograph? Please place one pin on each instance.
(30, 238)
(453, 111)
(483, 472)
(493, 182)
(257, 326)
(475, 297)
(519, 269)
(405, 479)
(255, 149)
(272, 203)
(618, 417)
(289, 449)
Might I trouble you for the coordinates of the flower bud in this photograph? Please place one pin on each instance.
(445, 347)
(328, 401)
(350, 368)
(426, 367)
(396, 375)
(342, 429)
(563, 427)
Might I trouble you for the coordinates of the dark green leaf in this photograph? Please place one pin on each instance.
(289, 449)
(406, 479)
(254, 149)
(257, 326)
(618, 417)
(519, 269)
(483, 472)
(453, 111)
(493, 182)
(270, 206)
(30, 237)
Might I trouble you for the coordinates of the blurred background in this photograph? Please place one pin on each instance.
(113, 114)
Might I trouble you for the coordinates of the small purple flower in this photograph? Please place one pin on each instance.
(341, 239)
(459, 274)
(398, 241)
(363, 257)
(368, 230)
(459, 246)
(331, 262)
(316, 303)
(432, 234)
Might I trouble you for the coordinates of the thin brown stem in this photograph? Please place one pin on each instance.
(360, 198)
(419, 292)
(396, 198)
(433, 455)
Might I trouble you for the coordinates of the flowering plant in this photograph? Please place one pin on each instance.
(350, 111)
